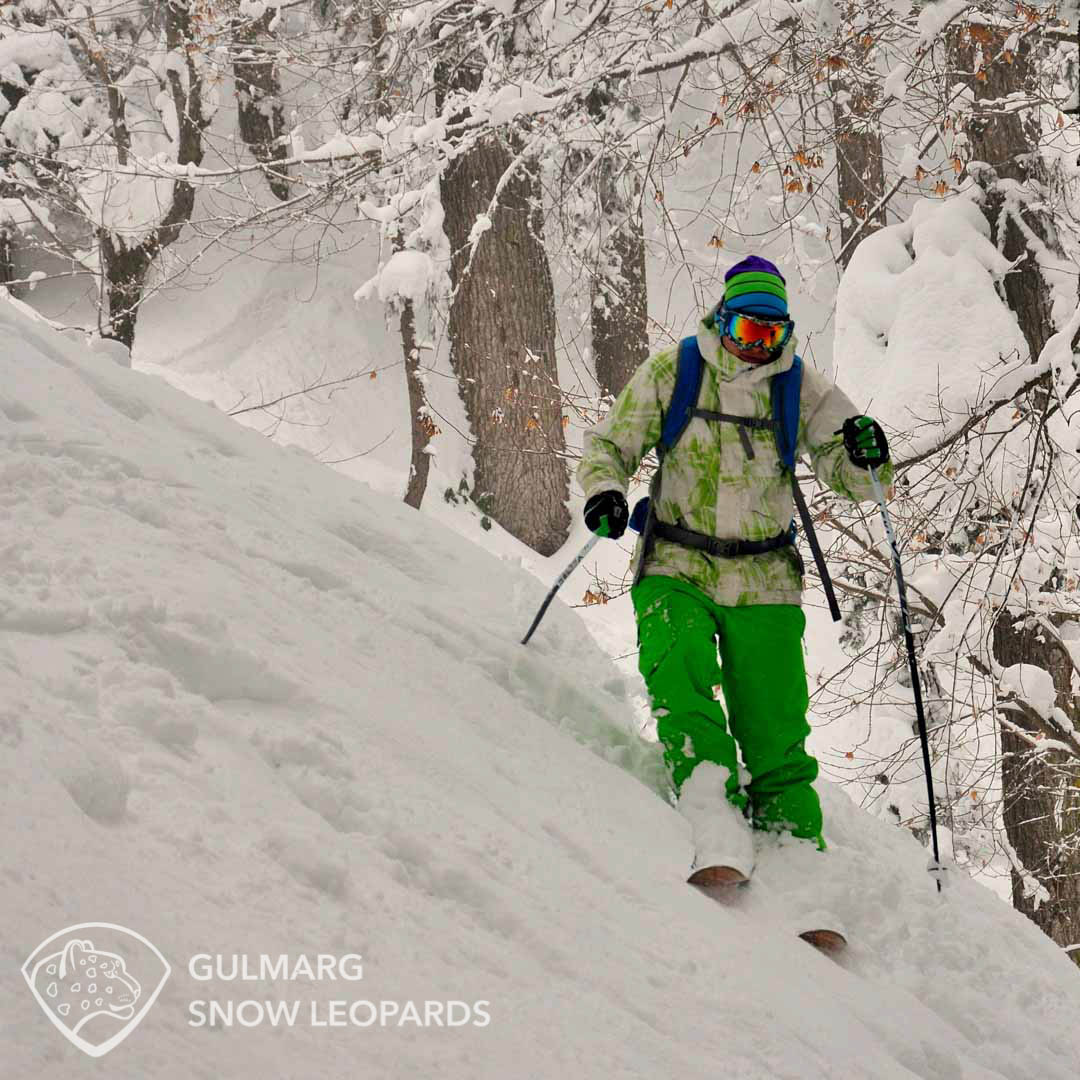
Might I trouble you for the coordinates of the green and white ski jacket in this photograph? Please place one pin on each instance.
(708, 483)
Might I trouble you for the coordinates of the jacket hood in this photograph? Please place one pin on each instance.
(728, 365)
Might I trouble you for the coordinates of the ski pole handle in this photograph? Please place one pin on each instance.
(886, 519)
(879, 498)
(602, 531)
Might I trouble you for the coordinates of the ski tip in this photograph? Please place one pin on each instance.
(827, 941)
(717, 876)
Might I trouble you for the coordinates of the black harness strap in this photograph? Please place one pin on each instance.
(743, 422)
(714, 545)
(760, 424)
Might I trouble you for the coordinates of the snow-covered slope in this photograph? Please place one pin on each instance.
(249, 706)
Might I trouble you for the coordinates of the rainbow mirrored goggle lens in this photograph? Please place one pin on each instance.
(747, 332)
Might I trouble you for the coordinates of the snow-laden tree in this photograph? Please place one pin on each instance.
(914, 152)
(964, 322)
(986, 449)
(512, 92)
(1008, 61)
(839, 122)
(105, 110)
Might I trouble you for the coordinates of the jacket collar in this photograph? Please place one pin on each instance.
(728, 366)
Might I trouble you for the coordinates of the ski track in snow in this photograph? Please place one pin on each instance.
(249, 706)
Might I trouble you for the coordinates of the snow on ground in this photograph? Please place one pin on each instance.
(249, 705)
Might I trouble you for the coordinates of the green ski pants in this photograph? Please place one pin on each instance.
(763, 677)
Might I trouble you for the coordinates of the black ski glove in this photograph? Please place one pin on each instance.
(865, 442)
(607, 508)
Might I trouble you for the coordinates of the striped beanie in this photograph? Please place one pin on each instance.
(755, 287)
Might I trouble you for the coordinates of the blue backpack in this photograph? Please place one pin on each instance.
(786, 393)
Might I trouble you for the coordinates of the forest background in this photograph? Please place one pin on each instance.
(428, 242)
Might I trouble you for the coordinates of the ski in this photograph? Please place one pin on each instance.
(830, 942)
(723, 881)
(710, 877)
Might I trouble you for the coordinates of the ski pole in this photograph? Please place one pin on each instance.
(935, 866)
(602, 531)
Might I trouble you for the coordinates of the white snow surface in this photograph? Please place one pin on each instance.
(1031, 684)
(933, 18)
(407, 275)
(250, 706)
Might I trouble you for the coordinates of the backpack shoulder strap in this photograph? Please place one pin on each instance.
(786, 392)
(786, 401)
(685, 395)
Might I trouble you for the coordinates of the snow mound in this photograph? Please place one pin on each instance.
(896, 309)
(248, 706)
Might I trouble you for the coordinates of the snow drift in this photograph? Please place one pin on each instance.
(248, 706)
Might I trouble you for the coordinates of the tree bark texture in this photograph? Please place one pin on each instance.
(502, 336)
(7, 256)
(620, 302)
(125, 273)
(1040, 799)
(860, 171)
(258, 98)
(619, 308)
(1041, 796)
(126, 260)
(1007, 143)
(423, 427)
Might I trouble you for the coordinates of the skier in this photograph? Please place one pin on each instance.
(717, 559)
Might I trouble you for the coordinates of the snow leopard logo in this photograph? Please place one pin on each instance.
(88, 986)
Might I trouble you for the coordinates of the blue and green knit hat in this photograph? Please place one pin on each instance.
(755, 287)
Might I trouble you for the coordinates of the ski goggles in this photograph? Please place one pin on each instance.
(748, 332)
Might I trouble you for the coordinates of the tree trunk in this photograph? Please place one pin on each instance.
(1008, 143)
(1041, 797)
(860, 172)
(125, 272)
(620, 302)
(258, 97)
(7, 258)
(423, 427)
(502, 335)
(126, 260)
(1039, 793)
